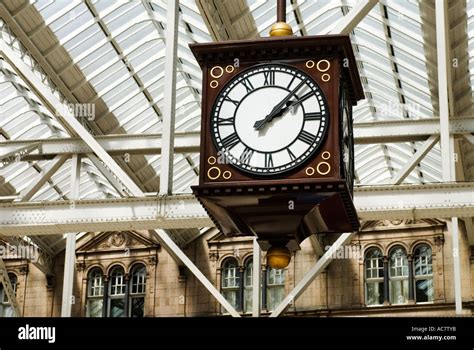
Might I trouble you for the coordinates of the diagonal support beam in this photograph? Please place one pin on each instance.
(317, 268)
(347, 23)
(7, 287)
(42, 177)
(67, 118)
(170, 245)
(417, 157)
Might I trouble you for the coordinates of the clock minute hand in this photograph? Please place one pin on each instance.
(289, 105)
(278, 108)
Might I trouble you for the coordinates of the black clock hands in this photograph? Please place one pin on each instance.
(279, 109)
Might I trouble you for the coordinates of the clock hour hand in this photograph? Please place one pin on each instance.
(279, 108)
(260, 123)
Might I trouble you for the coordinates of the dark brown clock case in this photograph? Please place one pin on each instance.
(316, 197)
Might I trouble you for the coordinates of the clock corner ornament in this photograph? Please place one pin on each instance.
(277, 153)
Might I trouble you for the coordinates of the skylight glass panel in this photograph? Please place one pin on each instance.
(470, 34)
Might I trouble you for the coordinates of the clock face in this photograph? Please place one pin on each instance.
(269, 119)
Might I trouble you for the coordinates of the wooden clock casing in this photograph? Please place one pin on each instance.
(316, 196)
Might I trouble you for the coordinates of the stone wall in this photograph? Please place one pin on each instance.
(172, 290)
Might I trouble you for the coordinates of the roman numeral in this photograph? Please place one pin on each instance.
(306, 96)
(313, 116)
(268, 160)
(292, 156)
(291, 81)
(246, 156)
(269, 78)
(247, 84)
(228, 99)
(230, 141)
(306, 137)
(225, 121)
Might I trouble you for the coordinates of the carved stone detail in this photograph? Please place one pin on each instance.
(117, 239)
(439, 240)
(80, 266)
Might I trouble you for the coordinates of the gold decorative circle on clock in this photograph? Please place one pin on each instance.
(211, 160)
(323, 168)
(229, 69)
(310, 64)
(325, 65)
(220, 71)
(309, 171)
(216, 171)
(227, 175)
(213, 84)
(326, 155)
(325, 77)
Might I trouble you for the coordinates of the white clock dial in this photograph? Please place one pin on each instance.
(269, 119)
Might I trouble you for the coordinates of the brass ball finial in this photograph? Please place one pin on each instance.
(278, 257)
(281, 29)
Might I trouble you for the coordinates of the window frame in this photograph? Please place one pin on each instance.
(248, 273)
(95, 297)
(374, 280)
(270, 287)
(421, 277)
(403, 279)
(235, 287)
(123, 285)
(141, 282)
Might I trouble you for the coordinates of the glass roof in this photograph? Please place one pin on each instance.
(388, 45)
(470, 31)
(119, 48)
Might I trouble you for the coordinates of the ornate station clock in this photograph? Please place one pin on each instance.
(276, 137)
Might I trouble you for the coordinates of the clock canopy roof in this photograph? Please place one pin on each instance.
(284, 48)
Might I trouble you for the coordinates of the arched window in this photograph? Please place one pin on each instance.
(6, 310)
(374, 277)
(230, 281)
(13, 281)
(137, 291)
(116, 299)
(275, 287)
(423, 273)
(398, 276)
(248, 286)
(95, 293)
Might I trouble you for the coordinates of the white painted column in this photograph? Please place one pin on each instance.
(446, 139)
(456, 265)
(256, 275)
(70, 258)
(169, 108)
